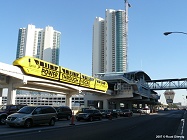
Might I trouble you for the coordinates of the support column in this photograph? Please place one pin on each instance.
(129, 105)
(11, 94)
(85, 102)
(143, 105)
(69, 100)
(117, 105)
(151, 109)
(105, 104)
(138, 105)
(1, 95)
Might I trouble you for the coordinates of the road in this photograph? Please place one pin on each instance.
(165, 125)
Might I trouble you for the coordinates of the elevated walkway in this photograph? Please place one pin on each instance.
(166, 84)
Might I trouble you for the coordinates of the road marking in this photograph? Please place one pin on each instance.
(183, 121)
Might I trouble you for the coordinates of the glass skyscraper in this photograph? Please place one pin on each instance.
(121, 46)
(110, 42)
(40, 43)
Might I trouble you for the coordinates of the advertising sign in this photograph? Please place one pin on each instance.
(169, 95)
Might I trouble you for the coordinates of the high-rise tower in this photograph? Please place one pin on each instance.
(110, 42)
(40, 43)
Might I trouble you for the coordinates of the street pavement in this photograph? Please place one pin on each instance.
(5, 129)
(154, 126)
(185, 125)
(181, 133)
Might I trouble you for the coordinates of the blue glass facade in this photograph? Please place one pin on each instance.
(57, 49)
(20, 44)
(119, 41)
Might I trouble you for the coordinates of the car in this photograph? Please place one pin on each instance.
(107, 113)
(89, 115)
(135, 110)
(81, 110)
(145, 111)
(165, 109)
(32, 115)
(63, 112)
(113, 113)
(126, 113)
(117, 111)
(104, 112)
(6, 110)
(139, 110)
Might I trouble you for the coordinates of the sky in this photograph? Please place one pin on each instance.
(161, 57)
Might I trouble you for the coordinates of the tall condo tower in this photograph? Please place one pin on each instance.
(109, 46)
(40, 43)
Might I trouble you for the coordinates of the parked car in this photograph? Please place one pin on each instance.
(117, 111)
(63, 112)
(6, 110)
(32, 115)
(89, 115)
(139, 110)
(126, 113)
(135, 110)
(82, 110)
(145, 111)
(104, 112)
(165, 109)
(114, 113)
(107, 113)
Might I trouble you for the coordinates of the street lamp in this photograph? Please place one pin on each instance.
(167, 33)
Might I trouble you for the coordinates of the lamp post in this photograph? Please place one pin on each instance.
(167, 33)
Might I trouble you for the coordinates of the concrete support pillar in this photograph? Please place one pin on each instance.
(11, 94)
(69, 100)
(138, 105)
(117, 105)
(105, 104)
(1, 95)
(151, 108)
(129, 105)
(85, 103)
(143, 105)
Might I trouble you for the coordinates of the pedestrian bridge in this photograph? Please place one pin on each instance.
(167, 84)
(13, 78)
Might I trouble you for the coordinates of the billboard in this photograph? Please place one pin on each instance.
(169, 95)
